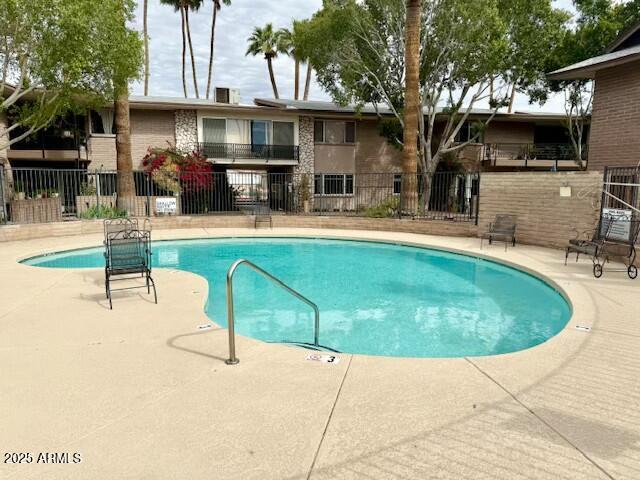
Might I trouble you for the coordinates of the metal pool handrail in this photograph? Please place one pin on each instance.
(233, 360)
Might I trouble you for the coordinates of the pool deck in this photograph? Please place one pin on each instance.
(141, 392)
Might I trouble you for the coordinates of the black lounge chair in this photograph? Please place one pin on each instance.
(503, 229)
(618, 244)
(128, 255)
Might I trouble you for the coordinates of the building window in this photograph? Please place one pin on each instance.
(102, 122)
(333, 184)
(318, 131)
(397, 184)
(468, 131)
(334, 132)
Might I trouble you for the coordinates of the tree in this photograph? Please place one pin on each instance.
(292, 43)
(183, 6)
(597, 24)
(122, 74)
(265, 41)
(217, 5)
(534, 28)
(57, 56)
(145, 9)
(412, 105)
(195, 6)
(361, 59)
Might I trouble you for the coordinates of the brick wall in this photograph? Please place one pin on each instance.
(615, 122)
(149, 128)
(58, 229)
(544, 217)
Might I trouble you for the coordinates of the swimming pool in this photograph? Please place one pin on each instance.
(374, 298)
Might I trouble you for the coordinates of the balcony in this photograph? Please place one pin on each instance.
(250, 154)
(540, 156)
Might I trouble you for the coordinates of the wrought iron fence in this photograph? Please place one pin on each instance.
(541, 155)
(232, 151)
(44, 195)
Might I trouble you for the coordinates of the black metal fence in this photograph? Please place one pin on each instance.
(43, 195)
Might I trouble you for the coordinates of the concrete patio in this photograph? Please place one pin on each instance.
(142, 392)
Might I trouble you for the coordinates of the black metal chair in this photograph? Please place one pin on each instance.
(618, 244)
(588, 242)
(502, 229)
(128, 255)
(114, 225)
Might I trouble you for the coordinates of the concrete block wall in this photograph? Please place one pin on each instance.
(544, 217)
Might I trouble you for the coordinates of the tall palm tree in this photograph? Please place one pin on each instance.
(177, 7)
(145, 9)
(412, 87)
(412, 107)
(307, 82)
(264, 41)
(183, 6)
(195, 6)
(217, 5)
(286, 45)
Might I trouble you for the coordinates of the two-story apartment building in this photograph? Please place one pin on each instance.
(615, 120)
(337, 147)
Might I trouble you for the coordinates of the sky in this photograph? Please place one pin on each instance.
(231, 67)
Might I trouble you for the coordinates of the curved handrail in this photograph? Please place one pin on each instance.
(233, 360)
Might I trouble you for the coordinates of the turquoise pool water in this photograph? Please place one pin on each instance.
(374, 298)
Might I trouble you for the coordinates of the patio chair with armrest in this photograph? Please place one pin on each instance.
(618, 247)
(587, 242)
(127, 256)
(502, 229)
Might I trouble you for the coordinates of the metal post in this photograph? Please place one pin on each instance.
(233, 360)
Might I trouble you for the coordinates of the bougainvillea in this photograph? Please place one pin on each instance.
(178, 171)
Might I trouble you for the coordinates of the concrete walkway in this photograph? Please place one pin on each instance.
(140, 392)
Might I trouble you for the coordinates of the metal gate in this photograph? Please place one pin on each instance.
(620, 194)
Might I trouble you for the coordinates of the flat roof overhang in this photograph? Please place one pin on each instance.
(587, 69)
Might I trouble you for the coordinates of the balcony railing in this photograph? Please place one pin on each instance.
(533, 155)
(242, 151)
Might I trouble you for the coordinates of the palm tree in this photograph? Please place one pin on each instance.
(177, 6)
(195, 6)
(264, 41)
(411, 100)
(183, 6)
(292, 43)
(145, 8)
(217, 5)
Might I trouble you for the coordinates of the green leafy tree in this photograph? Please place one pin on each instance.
(266, 41)
(361, 59)
(534, 28)
(63, 55)
(597, 24)
(217, 6)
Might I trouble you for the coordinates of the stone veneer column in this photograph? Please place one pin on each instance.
(186, 129)
(307, 149)
(306, 165)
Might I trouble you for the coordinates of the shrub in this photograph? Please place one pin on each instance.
(387, 209)
(103, 211)
(176, 171)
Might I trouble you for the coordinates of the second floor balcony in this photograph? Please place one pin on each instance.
(250, 153)
(534, 156)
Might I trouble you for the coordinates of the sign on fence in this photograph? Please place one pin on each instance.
(620, 228)
(166, 205)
